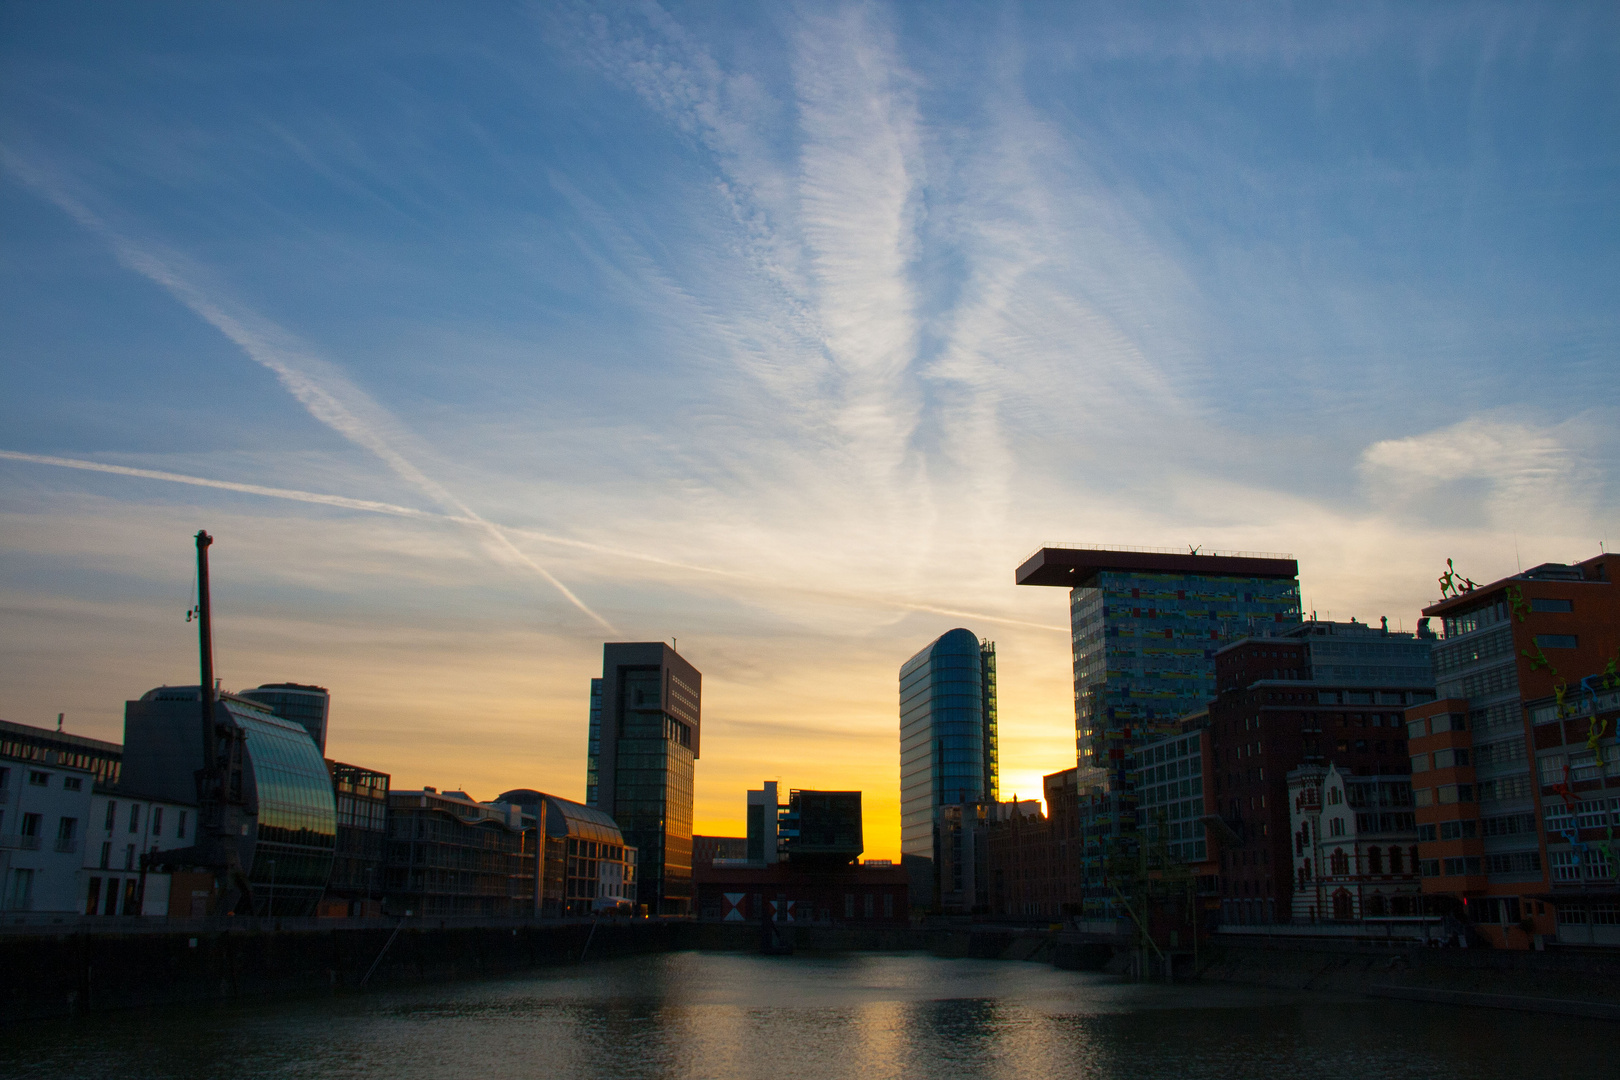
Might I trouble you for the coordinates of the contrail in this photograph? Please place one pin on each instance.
(324, 391)
(374, 507)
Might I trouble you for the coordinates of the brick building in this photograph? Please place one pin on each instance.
(1516, 771)
(1321, 693)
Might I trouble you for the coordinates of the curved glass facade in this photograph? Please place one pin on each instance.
(947, 739)
(297, 822)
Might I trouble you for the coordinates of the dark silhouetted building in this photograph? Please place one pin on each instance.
(588, 870)
(361, 850)
(948, 753)
(646, 722)
(823, 827)
(706, 849)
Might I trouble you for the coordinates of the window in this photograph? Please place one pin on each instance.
(1416, 729)
(180, 826)
(112, 813)
(1336, 827)
(1375, 861)
(157, 821)
(129, 857)
(1429, 867)
(1558, 641)
(134, 817)
(92, 900)
(1422, 796)
(72, 783)
(1447, 759)
(1340, 862)
(106, 855)
(1420, 763)
(1426, 833)
(39, 779)
(1458, 830)
(1468, 864)
(1547, 603)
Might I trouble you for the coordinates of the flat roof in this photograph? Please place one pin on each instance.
(1067, 567)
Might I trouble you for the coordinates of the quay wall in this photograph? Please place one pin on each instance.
(89, 969)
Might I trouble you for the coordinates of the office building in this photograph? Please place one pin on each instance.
(1145, 628)
(812, 876)
(589, 870)
(1275, 712)
(1515, 767)
(360, 851)
(764, 824)
(646, 721)
(306, 706)
(948, 752)
(706, 849)
(822, 827)
(449, 856)
(286, 853)
(1354, 840)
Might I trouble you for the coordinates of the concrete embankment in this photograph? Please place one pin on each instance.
(77, 973)
(88, 969)
(1571, 983)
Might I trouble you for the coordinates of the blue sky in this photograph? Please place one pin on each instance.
(787, 330)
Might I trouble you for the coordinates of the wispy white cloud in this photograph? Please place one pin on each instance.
(318, 385)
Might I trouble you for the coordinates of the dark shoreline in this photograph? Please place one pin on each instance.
(91, 971)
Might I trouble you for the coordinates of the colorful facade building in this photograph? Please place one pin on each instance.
(1145, 627)
(1516, 772)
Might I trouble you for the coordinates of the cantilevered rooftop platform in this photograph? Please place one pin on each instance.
(1067, 567)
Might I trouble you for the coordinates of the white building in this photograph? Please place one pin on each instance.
(1355, 846)
(120, 830)
(69, 842)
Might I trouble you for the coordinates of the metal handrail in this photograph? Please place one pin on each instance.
(1138, 549)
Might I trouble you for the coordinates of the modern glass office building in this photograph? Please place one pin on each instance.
(1145, 627)
(947, 746)
(288, 850)
(646, 720)
(306, 706)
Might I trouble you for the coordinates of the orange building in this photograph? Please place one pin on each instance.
(1515, 768)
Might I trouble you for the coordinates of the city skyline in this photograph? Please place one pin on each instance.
(481, 338)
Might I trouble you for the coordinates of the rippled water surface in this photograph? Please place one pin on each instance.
(864, 1016)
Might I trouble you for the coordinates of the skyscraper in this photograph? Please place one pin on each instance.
(645, 720)
(1145, 627)
(947, 746)
(306, 706)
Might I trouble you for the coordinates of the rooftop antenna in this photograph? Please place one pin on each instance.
(675, 644)
(59, 717)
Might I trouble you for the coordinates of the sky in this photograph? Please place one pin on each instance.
(479, 335)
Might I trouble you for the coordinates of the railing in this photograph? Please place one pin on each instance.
(1189, 550)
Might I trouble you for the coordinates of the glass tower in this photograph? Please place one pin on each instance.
(644, 728)
(947, 744)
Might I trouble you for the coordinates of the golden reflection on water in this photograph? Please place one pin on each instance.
(861, 1016)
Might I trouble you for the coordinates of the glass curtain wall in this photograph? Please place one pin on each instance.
(297, 823)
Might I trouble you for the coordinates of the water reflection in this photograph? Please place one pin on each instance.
(865, 1017)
